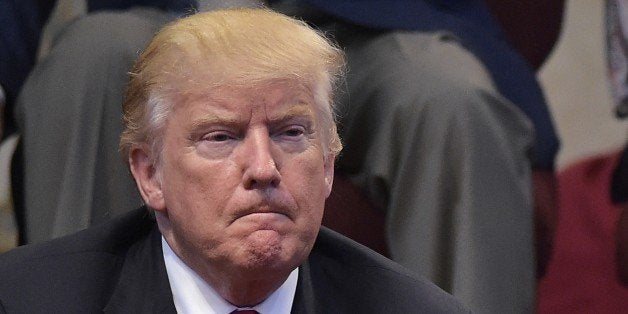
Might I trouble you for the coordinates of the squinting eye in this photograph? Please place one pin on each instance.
(217, 137)
(294, 131)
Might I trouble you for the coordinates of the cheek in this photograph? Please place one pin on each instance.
(197, 190)
(307, 182)
(195, 200)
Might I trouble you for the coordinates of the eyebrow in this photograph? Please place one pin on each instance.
(300, 109)
(204, 121)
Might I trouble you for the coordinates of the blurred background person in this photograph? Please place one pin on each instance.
(434, 143)
(585, 271)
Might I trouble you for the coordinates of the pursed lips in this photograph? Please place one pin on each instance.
(264, 211)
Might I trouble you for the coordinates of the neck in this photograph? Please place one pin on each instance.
(242, 287)
(245, 293)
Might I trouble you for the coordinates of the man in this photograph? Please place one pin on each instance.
(230, 136)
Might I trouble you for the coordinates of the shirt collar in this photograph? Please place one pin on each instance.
(191, 294)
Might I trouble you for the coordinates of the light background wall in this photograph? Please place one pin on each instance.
(576, 86)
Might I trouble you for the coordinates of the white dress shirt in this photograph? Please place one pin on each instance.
(192, 295)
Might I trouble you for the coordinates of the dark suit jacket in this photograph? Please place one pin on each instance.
(118, 267)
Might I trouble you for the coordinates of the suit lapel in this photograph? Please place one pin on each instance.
(305, 300)
(318, 288)
(143, 285)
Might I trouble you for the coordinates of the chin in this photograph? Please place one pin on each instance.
(271, 255)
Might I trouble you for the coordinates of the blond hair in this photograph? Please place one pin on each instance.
(236, 47)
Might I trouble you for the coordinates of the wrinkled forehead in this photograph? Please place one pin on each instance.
(189, 74)
(278, 93)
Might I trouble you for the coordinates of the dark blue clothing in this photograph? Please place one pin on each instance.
(181, 6)
(21, 23)
(477, 31)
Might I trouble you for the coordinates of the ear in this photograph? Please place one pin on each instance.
(329, 173)
(145, 174)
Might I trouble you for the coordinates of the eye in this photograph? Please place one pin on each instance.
(294, 131)
(218, 136)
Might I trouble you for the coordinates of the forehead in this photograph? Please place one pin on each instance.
(274, 99)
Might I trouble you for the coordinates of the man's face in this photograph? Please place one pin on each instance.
(243, 179)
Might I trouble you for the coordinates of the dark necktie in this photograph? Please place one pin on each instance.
(244, 312)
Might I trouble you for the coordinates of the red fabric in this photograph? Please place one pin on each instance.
(582, 274)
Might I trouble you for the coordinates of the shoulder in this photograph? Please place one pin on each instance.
(369, 281)
(72, 272)
(112, 237)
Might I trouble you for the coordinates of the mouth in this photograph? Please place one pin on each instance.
(263, 214)
(263, 221)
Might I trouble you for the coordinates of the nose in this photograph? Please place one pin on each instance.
(261, 168)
